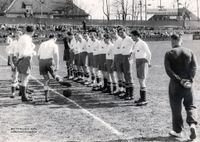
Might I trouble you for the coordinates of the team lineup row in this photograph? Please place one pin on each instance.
(103, 61)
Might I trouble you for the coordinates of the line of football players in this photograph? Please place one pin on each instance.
(103, 60)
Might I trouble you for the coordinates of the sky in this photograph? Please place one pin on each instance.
(94, 7)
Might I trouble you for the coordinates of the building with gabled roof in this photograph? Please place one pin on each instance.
(181, 14)
(44, 9)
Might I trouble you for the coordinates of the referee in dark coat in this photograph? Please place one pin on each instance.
(66, 55)
(181, 66)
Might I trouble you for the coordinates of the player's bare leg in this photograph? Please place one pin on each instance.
(46, 87)
(23, 87)
(142, 100)
(14, 82)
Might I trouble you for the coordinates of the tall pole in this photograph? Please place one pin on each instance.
(133, 9)
(160, 4)
(198, 9)
(41, 10)
(145, 10)
(140, 10)
(178, 9)
(41, 3)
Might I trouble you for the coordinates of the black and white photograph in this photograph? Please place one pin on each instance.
(99, 71)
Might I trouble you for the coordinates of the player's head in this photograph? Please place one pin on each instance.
(52, 36)
(106, 38)
(135, 35)
(85, 36)
(100, 35)
(78, 37)
(93, 34)
(176, 40)
(122, 32)
(69, 35)
(113, 33)
(18, 34)
(30, 29)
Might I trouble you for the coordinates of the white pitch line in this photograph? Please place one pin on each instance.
(107, 125)
(113, 130)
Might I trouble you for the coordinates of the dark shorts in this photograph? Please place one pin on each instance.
(109, 62)
(95, 61)
(76, 59)
(142, 68)
(118, 63)
(127, 70)
(24, 65)
(82, 59)
(47, 66)
(14, 59)
(90, 59)
(15, 62)
(66, 55)
(71, 57)
(102, 61)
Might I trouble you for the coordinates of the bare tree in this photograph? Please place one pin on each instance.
(106, 8)
(121, 8)
(4, 5)
(197, 9)
(116, 9)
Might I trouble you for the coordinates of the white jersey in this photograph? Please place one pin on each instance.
(102, 48)
(48, 49)
(11, 49)
(8, 40)
(89, 46)
(77, 47)
(95, 46)
(141, 50)
(83, 46)
(110, 54)
(127, 46)
(25, 46)
(117, 46)
(72, 43)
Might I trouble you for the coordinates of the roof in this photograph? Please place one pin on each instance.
(48, 6)
(187, 13)
(4, 4)
(16, 6)
(181, 12)
(68, 6)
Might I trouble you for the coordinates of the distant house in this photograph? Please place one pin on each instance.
(44, 9)
(181, 14)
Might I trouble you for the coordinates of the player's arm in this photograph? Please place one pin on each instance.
(169, 70)
(39, 51)
(11, 61)
(148, 52)
(132, 51)
(33, 51)
(193, 67)
(56, 54)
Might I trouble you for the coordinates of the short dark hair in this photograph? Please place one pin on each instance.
(135, 33)
(51, 36)
(106, 36)
(29, 29)
(176, 36)
(69, 33)
(119, 28)
(92, 31)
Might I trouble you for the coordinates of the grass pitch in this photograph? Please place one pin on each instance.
(91, 116)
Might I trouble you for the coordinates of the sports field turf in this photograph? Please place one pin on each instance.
(91, 116)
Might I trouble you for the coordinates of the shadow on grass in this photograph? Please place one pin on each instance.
(81, 96)
(150, 139)
(91, 101)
